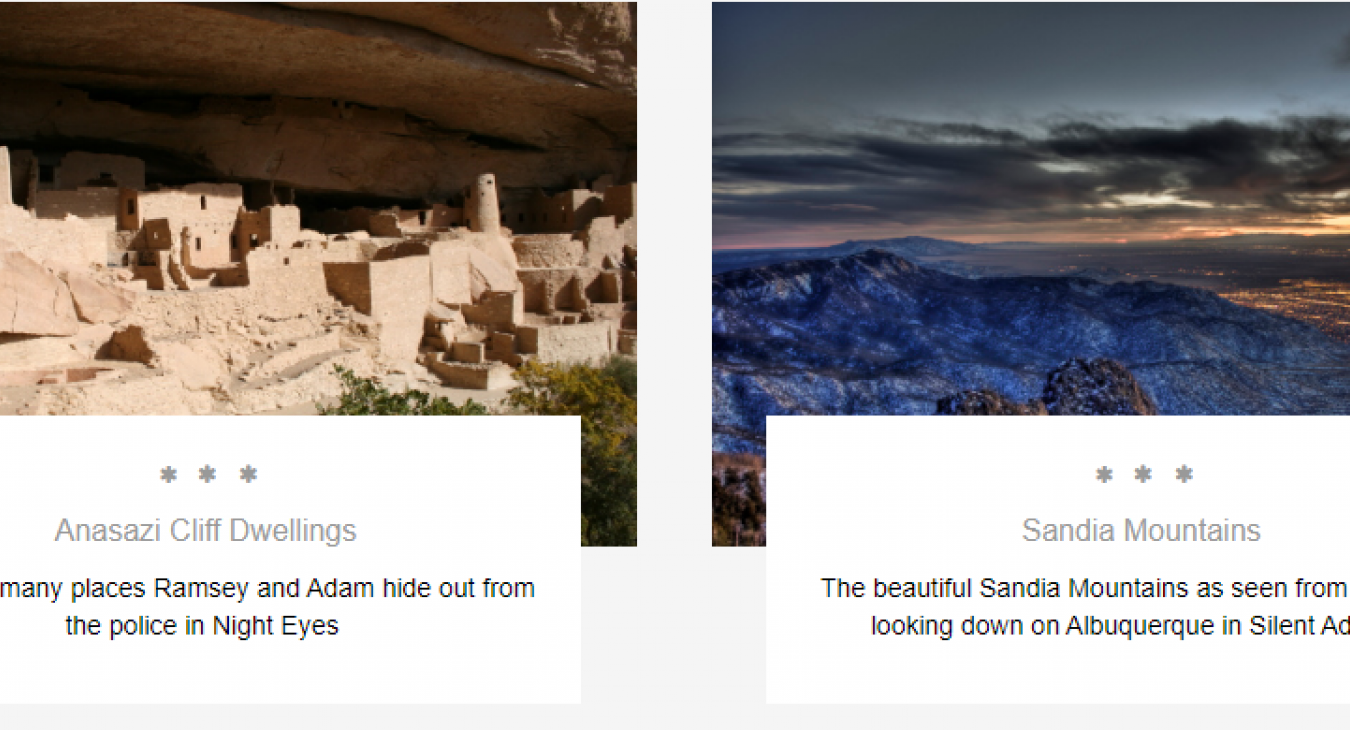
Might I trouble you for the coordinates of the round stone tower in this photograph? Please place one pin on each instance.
(484, 216)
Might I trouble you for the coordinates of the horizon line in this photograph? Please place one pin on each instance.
(1121, 242)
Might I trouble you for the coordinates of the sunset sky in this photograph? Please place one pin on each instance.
(1008, 122)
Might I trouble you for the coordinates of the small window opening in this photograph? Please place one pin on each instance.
(131, 207)
(253, 240)
(285, 262)
(199, 244)
(422, 217)
(46, 173)
(203, 202)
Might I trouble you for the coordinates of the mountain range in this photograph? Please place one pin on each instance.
(911, 247)
(873, 333)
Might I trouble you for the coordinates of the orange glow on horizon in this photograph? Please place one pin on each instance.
(1327, 226)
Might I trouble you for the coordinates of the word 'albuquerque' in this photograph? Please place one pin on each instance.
(1091, 530)
(208, 529)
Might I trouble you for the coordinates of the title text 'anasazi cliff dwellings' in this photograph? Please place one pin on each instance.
(122, 297)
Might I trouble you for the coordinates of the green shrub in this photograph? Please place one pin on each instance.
(604, 397)
(365, 397)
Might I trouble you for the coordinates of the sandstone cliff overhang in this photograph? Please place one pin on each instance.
(418, 97)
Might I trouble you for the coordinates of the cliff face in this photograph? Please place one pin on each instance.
(405, 100)
(875, 334)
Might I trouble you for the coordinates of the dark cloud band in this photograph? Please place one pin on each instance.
(1070, 174)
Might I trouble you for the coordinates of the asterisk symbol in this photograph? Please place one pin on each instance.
(248, 473)
(1143, 473)
(1104, 475)
(168, 474)
(206, 473)
(1185, 473)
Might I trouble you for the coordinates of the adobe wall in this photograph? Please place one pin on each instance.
(501, 308)
(344, 249)
(409, 220)
(621, 202)
(281, 224)
(158, 236)
(395, 293)
(95, 206)
(384, 223)
(197, 203)
(208, 243)
(250, 232)
(400, 291)
(438, 216)
(128, 209)
(122, 247)
(496, 246)
(568, 343)
(287, 280)
(605, 241)
(57, 244)
(444, 216)
(461, 272)
(571, 210)
(584, 206)
(564, 212)
(548, 250)
(350, 283)
(78, 169)
(611, 288)
(547, 290)
(201, 217)
(453, 274)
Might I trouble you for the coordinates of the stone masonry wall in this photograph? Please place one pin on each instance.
(570, 343)
(350, 283)
(95, 206)
(400, 292)
(288, 280)
(56, 244)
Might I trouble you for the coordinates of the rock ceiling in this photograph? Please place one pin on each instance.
(408, 100)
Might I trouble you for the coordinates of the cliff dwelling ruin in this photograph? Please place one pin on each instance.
(211, 220)
(128, 298)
